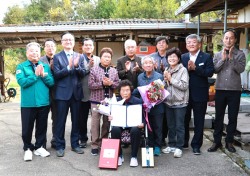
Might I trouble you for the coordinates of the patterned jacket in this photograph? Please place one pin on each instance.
(178, 87)
(95, 82)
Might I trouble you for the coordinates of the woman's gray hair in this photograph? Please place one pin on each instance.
(147, 57)
(32, 44)
(194, 36)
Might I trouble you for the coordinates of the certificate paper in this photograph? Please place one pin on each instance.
(126, 116)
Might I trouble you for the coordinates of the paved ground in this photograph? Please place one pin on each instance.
(11, 157)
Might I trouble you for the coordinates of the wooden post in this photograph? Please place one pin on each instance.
(2, 71)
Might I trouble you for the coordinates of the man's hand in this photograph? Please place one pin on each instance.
(76, 61)
(70, 62)
(127, 65)
(224, 54)
(91, 62)
(136, 68)
(230, 55)
(162, 66)
(51, 64)
(39, 70)
(191, 65)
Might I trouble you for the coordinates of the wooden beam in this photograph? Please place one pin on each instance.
(206, 6)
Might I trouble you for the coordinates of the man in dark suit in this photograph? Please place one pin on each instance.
(50, 50)
(200, 67)
(68, 71)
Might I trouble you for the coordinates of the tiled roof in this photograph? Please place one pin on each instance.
(98, 22)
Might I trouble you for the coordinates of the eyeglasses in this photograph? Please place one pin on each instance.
(50, 46)
(67, 40)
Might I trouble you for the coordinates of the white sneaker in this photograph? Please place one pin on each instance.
(120, 160)
(133, 162)
(41, 152)
(168, 150)
(178, 153)
(27, 155)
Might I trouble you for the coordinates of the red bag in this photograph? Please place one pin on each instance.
(109, 153)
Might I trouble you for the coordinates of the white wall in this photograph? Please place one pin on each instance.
(244, 15)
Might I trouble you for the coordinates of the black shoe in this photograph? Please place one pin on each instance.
(53, 143)
(94, 152)
(60, 153)
(125, 145)
(78, 150)
(214, 147)
(185, 146)
(196, 151)
(230, 147)
(83, 144)
(163, 143)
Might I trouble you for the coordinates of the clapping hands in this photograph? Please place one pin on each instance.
(167, 77)
(106, 81)
(227, 53)
(74, 61)
(128, 66)
(40, 71)
(191, 65)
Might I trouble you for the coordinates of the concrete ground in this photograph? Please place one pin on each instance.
(11, 156)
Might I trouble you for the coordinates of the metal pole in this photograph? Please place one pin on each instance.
(225, 16)
(198, 27)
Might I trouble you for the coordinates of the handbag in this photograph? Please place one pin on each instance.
(125, 137)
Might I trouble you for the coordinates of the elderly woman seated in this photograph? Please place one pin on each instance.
(125, 88)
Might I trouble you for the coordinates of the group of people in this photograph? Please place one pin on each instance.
(80, 82)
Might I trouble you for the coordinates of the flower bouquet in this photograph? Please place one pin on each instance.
(152, 94)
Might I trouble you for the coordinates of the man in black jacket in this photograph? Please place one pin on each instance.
(129, 66)
(50, 50)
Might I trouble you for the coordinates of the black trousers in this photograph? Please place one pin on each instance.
(53, 109)
(155, 136)
(83, 121)
(164, 127)
(135, 135)
(199, 111)
(224, 98)
(29, 116)
(62, 112)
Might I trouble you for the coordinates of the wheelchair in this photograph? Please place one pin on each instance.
(6, 93)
